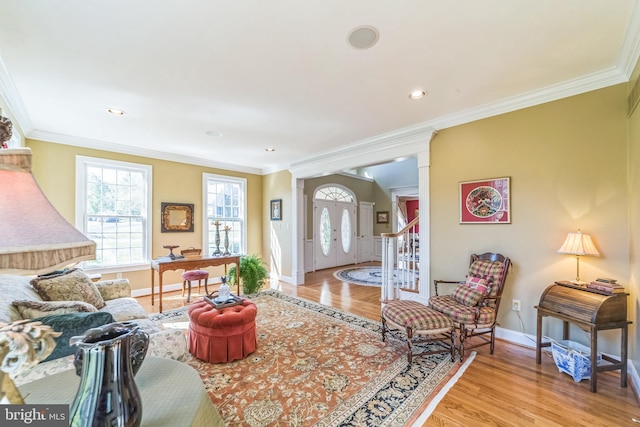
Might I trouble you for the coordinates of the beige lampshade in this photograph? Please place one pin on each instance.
(578, 244)
(34, 237)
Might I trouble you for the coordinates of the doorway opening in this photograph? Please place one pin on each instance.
(334, 226)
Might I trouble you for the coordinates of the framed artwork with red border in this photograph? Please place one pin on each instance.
(485, 201)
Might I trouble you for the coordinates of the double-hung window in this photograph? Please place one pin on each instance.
(113, 208)
(225, 214)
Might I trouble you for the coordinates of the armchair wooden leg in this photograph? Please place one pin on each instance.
(493, 339)
(463, 333)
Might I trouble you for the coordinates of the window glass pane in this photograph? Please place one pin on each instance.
(225, 222)
(334, 193)
(325, 231)
(115, 210)
(346, 230)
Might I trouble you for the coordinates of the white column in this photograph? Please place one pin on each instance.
(297, 228)
(424, 162)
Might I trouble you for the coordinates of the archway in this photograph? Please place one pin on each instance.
(334, 226)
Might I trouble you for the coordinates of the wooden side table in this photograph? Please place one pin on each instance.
(592, 311)
(191, 263)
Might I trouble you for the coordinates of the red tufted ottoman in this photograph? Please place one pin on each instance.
(222, 335)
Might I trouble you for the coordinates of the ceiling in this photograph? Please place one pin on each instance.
(281, 74)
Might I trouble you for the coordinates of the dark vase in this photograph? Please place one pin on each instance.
(107, 395)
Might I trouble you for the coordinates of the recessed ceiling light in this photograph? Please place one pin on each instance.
(270, 149)
(115, 111)
(213, 133)
(417, 94)
(363, 37)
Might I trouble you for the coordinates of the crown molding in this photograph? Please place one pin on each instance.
(134, 151)
(11, 98)
(530, 99)
(405, 142)
(630, 50)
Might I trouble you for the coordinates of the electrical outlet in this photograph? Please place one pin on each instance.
(515, 305)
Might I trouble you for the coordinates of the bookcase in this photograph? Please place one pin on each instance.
(592, 311)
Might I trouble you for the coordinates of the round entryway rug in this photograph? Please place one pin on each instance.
(368, 276)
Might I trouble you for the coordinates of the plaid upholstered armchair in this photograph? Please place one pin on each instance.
(473, 305)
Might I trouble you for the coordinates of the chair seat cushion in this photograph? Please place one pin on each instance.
(415, 315)
(195, 275)
(461, 313)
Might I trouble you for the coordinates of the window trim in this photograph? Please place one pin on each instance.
(205, 222)
(82, 162)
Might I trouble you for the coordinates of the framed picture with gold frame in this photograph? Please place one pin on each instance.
(382, 217)
(176, 217)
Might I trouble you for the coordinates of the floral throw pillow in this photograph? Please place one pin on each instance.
(33, 309)
(71, 285)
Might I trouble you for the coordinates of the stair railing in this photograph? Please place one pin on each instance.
(400, 270)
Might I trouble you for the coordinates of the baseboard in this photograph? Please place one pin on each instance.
(634, 378)
(516, 337)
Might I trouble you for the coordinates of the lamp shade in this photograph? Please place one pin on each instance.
(34, 237)
(578, 244)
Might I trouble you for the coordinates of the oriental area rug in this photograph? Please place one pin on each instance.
(317, 366)
(367, 276)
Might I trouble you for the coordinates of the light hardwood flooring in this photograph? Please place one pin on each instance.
(503, 389)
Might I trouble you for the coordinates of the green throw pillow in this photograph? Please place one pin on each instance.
(71, 325)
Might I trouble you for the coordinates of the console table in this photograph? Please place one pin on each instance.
(592, 311)
(189, 263)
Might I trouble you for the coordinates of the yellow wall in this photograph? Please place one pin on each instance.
(54, 169)
(276, 236)
(567, 162)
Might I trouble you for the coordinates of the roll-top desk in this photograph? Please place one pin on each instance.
(592, 311)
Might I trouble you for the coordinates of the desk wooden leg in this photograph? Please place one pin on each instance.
(160, 292)
(565, 330)
(539, 340)
(238, 276)
(623, 355)
(152, 287)
(593, 381)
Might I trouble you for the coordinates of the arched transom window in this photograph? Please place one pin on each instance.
(335, 193)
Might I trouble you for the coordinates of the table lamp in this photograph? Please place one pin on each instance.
(34, 239)
(578, 244)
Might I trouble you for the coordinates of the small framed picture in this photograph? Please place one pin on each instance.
(276, 210)
(485, 201)
(382, 217)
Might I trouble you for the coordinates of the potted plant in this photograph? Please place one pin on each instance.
(253, 272)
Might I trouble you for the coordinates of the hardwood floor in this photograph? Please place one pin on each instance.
(503, 389)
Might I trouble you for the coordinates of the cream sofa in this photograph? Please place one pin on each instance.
(19, 300)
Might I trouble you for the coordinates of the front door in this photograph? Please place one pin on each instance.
(334, 233)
